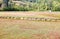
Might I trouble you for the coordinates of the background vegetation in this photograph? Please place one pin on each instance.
(40, 5)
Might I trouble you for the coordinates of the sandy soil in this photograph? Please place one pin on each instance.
(31, 14)
(25, 29)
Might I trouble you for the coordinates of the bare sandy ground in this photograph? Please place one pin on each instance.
(25, 29)
(32, 14)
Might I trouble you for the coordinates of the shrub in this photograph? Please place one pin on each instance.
(17, 8)
(10, 9)
(22, 8)
(56, 6)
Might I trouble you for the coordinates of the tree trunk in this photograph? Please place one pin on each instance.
(5, 3)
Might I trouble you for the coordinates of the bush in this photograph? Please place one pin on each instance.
(56, 6)
(22, 8)
(17, 8)
(57, 9)
(42, 5)
(10, 9)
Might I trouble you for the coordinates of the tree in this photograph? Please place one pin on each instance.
(5, 2)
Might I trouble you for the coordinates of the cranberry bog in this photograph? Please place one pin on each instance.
(29, 29)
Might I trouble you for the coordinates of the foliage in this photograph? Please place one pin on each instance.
(40, 5)
(17, 8)
(56, 6)
(53, 5)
